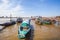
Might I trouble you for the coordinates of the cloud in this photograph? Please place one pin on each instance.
(9, 6)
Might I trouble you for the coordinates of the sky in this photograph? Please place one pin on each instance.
(30, 8)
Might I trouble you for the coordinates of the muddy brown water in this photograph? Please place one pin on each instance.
(41, 32)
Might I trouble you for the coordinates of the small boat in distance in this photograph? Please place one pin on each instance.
(19, 20)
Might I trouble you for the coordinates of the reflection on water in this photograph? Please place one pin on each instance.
(40, 32)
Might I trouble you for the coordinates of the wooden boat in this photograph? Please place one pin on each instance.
(19, 20)
(8, 23)
(23, 30)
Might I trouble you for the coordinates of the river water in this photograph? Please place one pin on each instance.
(41, 32)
